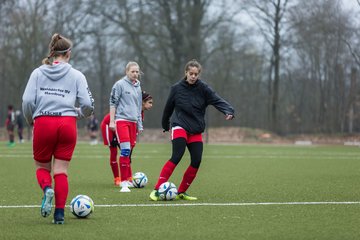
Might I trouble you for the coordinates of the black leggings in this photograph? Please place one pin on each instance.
(178, 149)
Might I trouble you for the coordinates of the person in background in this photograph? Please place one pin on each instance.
(110, 139)
(10, 125)
(93, 128)
(125, 117)
(186, 106)
(20, 125)
(147, 103)
(48, 104)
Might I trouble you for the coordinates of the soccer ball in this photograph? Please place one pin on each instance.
(139, 180)
(167, 191)
(81, 206)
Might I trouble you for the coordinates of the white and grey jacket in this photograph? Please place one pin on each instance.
(126, 98)
(56, 90)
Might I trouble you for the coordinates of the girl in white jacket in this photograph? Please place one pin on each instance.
(49, 105)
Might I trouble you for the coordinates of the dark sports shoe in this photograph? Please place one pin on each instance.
(46, 204)
(59, 216)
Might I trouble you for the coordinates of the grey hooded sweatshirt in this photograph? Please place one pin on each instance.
(126, 98)
(53, 90)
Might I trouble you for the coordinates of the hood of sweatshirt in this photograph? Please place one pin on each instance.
(136, 84)
(56, 71)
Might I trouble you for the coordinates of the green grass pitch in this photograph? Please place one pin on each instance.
(244, 191)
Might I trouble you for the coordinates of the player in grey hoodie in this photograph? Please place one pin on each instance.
(125, 118)
(49, 101)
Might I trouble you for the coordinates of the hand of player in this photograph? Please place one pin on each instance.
(112, 126)
(79, 114)
(229, 117)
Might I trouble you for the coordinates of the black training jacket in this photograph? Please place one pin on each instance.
(186, 105)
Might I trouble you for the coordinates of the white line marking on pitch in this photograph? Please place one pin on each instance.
(200, 204)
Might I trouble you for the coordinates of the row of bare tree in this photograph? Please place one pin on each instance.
(288, 66)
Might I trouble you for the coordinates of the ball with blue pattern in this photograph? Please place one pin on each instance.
(167, 191)
(139, 180)
(82, 206)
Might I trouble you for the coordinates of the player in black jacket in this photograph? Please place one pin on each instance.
(184, 114)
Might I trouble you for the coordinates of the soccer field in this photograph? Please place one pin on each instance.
(244, 191)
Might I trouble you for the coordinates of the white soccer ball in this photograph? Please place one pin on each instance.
(167, 191)
(139, 180)
(81, 206)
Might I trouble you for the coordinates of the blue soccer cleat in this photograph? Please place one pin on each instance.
(46, 204)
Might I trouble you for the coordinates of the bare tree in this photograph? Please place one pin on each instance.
(22, 45)
(163, 35)
(269, 16)
(176, 30)
(319, 27)
(310, 85)
(5, 16)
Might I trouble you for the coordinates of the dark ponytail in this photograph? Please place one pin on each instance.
(58, 45)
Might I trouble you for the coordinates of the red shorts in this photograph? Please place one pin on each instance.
(126, 132)
(179, 132)
(54, 137)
